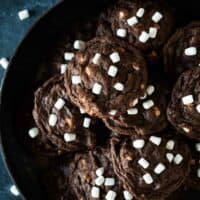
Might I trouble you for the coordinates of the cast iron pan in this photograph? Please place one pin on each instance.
(21, 75)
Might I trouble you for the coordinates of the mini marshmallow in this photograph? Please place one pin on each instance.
(155, 140)
(187, 99)
(121, 32)
(82, 111)
(159, 168)
(115, 57)
(111, 195)
(178, 159)
(14, 190)
(148, 178)
(148, 104)
(150, 90)
(157, 16)
(132, 111)
(143, 163)
(86, 122)
(140, 12)
(109, 182)
(95, 192)
(153, 32)
(63, 68)
(113, 112)
(198, 108)
(170, 145)
(170, 157)
(97, 88)
(127, 195)
(198, 172)
(144, 96)
(59, 104)
(144, 36)
(186, 129)
(23, 14)
(138, 143)
(191, 51)
(53, 120)
(100, 171)
(79, 44)
(99, 180)
(4, 62)
(135, 102)
(33, 132)
(112, 71)
(197, 146)
(76, 79)
(69, 137)
(132, 21)
(68, 56)
(96, 58)
(119, 86)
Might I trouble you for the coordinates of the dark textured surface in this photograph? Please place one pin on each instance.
(12, 30)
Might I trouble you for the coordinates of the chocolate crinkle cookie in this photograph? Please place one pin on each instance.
(106, 77)
(144, 24)
(92, 177)
(146, 116)
(59, 120)
(184, 108)
(152, 167)
(182, 51)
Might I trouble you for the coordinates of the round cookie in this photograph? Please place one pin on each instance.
(182, 50)
(92, 177)
(144, 24)
(106, 77)
(146, 116)
(59, 120)
(184, 108)
(152, 167)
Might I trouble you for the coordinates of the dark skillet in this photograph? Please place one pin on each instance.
(21, 78)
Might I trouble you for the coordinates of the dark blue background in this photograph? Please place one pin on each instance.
(12, 30)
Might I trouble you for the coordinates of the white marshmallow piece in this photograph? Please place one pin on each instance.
(132, 21)
(100, 171)
(138, 143)
(170, 157)
(97, 88)
(59, 104)
(14, 190)
(153, 32)
(198, 108)
(121, 32)
(4, 62)
(191, 51)
(86, 122)
(132, 111)
(148, 178)
(115, 57)
(63, 68)
(150, 90)
(127, 195)
(96, 58)
(159, 168)
(69, 137)
(144, 36)
(170, 145)
(148, 104)
(109, 182)
(140, 12)
(79, 44)
(112, 112)
(95, 192)
(178, 159)
(143, 163)
(112, 71)
(198, 172)
(99, 180)
(68, 56)
(76, 79)
(111, 195)
(119, 86)
(155, 140)
(33, 132)
(197, 146)
(23, 14)
(135, 102)
(186, 100)
(53, 120)
(157, 16)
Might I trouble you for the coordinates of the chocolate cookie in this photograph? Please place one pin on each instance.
(106, 77)
(92, 177)
(182, 51)
(147, 115)
(144, 24)
(184, 108)
(152, 167)
(59, 120)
